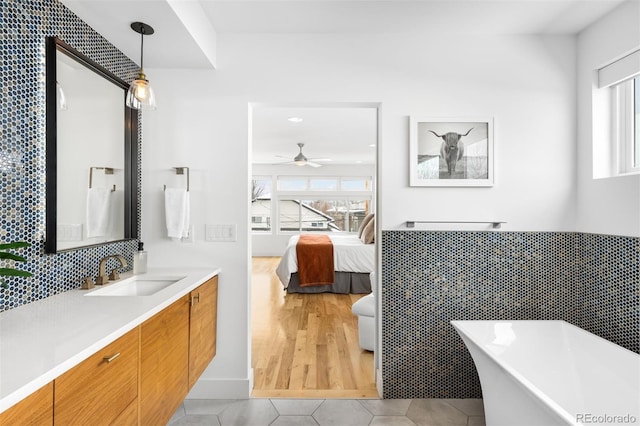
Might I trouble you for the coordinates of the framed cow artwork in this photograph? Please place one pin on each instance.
(451, 151)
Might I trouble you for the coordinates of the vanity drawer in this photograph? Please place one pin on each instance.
(34, 410)
(98, 390)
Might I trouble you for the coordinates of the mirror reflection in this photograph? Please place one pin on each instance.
(91, 140)
(90, 157)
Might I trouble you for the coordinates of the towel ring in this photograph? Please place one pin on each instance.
(180, 171)
(107, 171)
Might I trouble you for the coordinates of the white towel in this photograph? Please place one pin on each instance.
(177, 211)
(98, 208)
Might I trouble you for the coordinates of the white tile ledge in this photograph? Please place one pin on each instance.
(42, 340)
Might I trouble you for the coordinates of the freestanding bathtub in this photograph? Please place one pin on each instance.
(542, 373)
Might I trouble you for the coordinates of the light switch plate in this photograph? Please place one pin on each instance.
(216, 233)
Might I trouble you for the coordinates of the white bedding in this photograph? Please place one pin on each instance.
(349, 255)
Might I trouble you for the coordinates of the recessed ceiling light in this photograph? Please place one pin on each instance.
(295, 119)
(359, 162)
(373, 145)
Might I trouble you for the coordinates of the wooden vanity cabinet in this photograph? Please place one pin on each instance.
(203, 327)
(139, 379)
(34, 410)
(176, 346)
(103, 389)
(164, 363)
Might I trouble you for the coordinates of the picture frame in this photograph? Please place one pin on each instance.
(451, 151)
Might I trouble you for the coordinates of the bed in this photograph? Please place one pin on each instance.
(353, 261)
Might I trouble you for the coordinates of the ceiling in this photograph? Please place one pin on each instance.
(189, 29)
(343, 135)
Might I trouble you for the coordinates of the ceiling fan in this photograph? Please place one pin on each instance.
(302, 160)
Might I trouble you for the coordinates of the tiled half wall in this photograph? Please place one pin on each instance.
(23, 28)
(431, 277)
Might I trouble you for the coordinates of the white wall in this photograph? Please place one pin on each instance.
(606, 205)
(525, 82)
(275, 244)
(207, 133)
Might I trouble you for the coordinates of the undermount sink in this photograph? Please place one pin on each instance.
(137, 285)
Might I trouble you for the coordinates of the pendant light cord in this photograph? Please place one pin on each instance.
(142, 48)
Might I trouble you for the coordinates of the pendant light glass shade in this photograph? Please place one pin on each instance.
(140, 94)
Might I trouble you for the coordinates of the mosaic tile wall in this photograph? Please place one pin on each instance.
(431, 278)
(23, 28)
(608, 288)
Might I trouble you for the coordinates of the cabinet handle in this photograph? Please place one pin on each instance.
(111, 358)
(195, 299)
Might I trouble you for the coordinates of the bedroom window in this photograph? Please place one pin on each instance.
(261, 187)
(289, 204)
(357, 212)
(355, 184)
(292, 183)
(322, 215)
(323, 184)
(261, 204)
(261, 215)
(297, 215)
(306, 183)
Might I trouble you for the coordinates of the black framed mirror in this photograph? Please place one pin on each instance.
(92, 153)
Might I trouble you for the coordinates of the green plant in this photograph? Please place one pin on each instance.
(5, 255)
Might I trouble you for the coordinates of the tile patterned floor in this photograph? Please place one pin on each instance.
(330, 412)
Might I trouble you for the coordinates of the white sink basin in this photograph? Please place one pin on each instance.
(137, 285)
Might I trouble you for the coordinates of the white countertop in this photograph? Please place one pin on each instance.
(42, 340)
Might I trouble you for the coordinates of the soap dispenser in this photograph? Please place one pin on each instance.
(140, 260)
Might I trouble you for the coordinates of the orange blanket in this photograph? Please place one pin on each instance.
(315, 260)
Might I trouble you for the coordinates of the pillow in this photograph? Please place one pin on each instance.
(369, 232)
(364, 223)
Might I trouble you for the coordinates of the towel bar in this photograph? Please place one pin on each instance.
(107, 171)
(494, 224)
(180, 171)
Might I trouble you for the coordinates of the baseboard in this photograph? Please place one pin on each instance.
(221, 389)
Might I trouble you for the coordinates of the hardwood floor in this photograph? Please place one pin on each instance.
(305, 345)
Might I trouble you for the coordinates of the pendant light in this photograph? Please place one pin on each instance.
(140, 94)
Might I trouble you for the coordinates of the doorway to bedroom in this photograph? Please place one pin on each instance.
(313, 173)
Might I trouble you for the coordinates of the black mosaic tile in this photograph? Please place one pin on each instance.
(431, 278)
(23, 28)
(608, 288)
